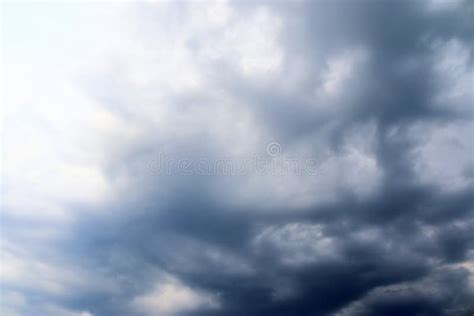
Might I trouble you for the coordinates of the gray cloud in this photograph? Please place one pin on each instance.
(375, 91)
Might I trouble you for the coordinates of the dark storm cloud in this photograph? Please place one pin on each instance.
(377, 243)
(403, 248)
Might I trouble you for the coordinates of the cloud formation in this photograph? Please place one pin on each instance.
(379, 93)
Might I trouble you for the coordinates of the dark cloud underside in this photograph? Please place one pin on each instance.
(377, 91)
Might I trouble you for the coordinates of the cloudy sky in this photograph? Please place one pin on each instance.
(206, 158)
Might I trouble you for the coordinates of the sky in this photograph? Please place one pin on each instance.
(198, 158)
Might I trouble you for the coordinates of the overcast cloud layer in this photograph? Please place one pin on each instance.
(378, 93)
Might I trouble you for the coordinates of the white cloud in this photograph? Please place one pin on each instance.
(297, 243)
(48, 274)
(171, 297)
(454, 73)
(444, 155)
(340, 69)
(436, 6)
(353, 168)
